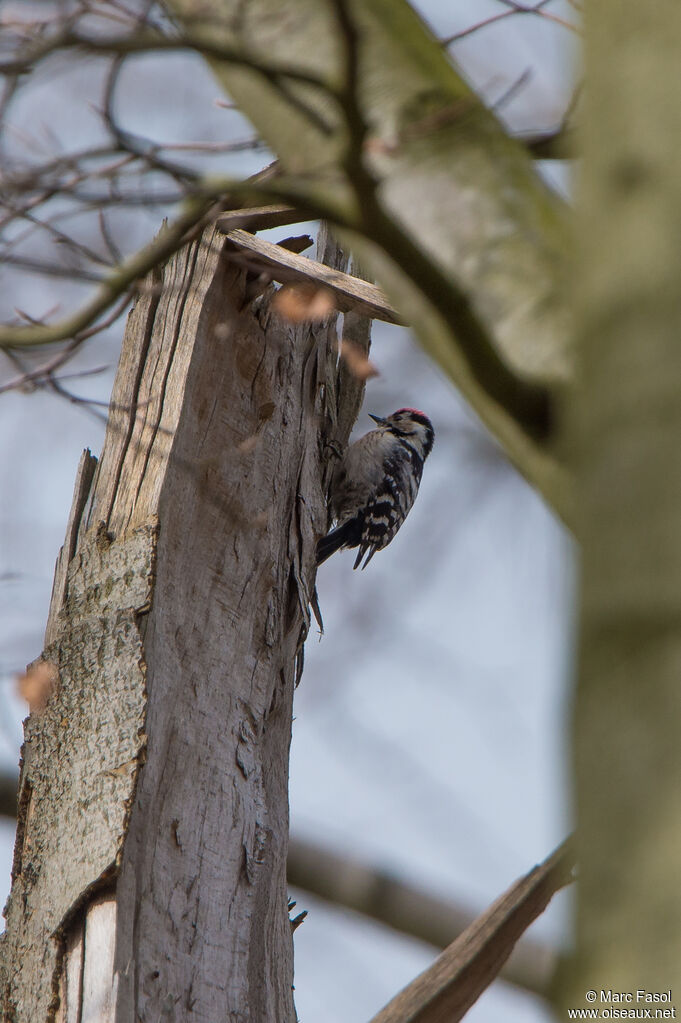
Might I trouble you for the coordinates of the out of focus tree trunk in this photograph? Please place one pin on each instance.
(149, 876)
(626, 427)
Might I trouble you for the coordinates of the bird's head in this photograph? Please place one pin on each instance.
(411, 424)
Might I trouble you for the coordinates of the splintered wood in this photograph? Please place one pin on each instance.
(350, 293)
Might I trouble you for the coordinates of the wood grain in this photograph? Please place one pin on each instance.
(98, 1003)
(161, 762)
(258, 218)
(350, 292)
(71, 976)
(81, 489)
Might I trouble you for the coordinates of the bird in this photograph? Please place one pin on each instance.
(375, 484)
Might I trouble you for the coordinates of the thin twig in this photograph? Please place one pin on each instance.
(530, 404)
(514, 8)
(40, 372)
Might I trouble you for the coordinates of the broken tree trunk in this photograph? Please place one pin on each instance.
(149, 879)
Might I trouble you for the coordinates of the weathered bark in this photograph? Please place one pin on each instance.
(459, 214)
(627, 424)
(150, 871)
(369, 890)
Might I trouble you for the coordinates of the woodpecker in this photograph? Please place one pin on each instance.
(376, 483)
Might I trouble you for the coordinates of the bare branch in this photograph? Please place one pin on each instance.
(346, 881)
(314, 198)
(529, 404)
(478, 26)
(512, 9)
(38, 266)
(133, 144)
(539, 8)
(145, 40)
(447, 989)
(347, 189)
(169, 239)
(36, 377)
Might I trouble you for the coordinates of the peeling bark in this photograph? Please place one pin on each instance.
(150, 872)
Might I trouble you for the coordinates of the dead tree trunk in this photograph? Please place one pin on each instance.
(149, 879)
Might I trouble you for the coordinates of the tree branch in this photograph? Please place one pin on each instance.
(497, 332)
(169, 239)
(146, 40)
(530, 404)
(444, 992)
(457, 228)
(346, 881)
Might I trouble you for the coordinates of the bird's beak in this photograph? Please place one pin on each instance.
(376, 419)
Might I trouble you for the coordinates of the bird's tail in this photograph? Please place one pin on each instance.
(343, 536)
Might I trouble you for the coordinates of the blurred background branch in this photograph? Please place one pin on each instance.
(410, 908)
(344, 880)
(345, 155)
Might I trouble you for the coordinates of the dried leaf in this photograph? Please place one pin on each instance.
(37, 684)
(355, 358)
(304, 303)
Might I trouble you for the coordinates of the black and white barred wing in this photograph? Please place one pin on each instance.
(388, 507)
